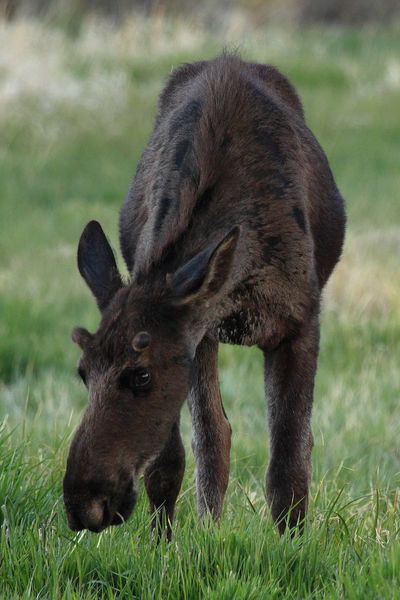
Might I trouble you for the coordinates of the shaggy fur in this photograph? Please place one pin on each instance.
(230, 230)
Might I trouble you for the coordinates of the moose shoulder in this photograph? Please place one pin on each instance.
(230, 230)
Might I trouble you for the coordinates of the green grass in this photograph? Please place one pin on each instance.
(74, 117)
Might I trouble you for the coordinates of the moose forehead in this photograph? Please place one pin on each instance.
(128, 315)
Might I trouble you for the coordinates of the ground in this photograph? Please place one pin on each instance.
(75, 113)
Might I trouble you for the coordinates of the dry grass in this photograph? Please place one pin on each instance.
(366, 283)
(43, 63)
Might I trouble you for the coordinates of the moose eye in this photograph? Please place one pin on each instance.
(136, 379)
(82, 374)
(141, 378)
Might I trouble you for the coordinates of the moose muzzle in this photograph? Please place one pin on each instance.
(98, 511)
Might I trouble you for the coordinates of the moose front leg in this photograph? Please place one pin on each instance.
(289, 378)
(211, 431)
(162, 479)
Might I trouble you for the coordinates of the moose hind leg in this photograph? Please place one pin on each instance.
(211, 432)
(289, 379)
(162, 479)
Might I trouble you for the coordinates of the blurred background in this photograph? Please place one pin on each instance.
(215, 12)
(79, 83)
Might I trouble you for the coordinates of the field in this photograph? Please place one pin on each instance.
(75, 112)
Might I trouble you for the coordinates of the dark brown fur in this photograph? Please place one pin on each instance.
(230, 230)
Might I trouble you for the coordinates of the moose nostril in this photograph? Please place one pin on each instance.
(74, 522)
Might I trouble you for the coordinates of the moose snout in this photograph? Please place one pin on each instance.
(94, 516)
(95, 513)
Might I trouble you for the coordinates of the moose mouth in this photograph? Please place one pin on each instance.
(97, 514)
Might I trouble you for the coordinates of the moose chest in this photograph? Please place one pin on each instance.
(259, 314)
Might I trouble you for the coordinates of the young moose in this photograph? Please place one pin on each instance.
(230, 230)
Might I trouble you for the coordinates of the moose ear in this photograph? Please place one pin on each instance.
(81, 337)
(96, 263)
(203, 276)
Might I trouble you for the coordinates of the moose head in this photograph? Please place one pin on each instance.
(137, 368)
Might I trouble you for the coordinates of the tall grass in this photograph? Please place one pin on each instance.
(75, 113)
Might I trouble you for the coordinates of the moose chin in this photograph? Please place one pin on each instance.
(230, 230)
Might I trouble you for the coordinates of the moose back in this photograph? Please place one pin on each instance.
(230, 230)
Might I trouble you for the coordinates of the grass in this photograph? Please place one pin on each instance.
(75, 113)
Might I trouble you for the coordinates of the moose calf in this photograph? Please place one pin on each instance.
(230, 230)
